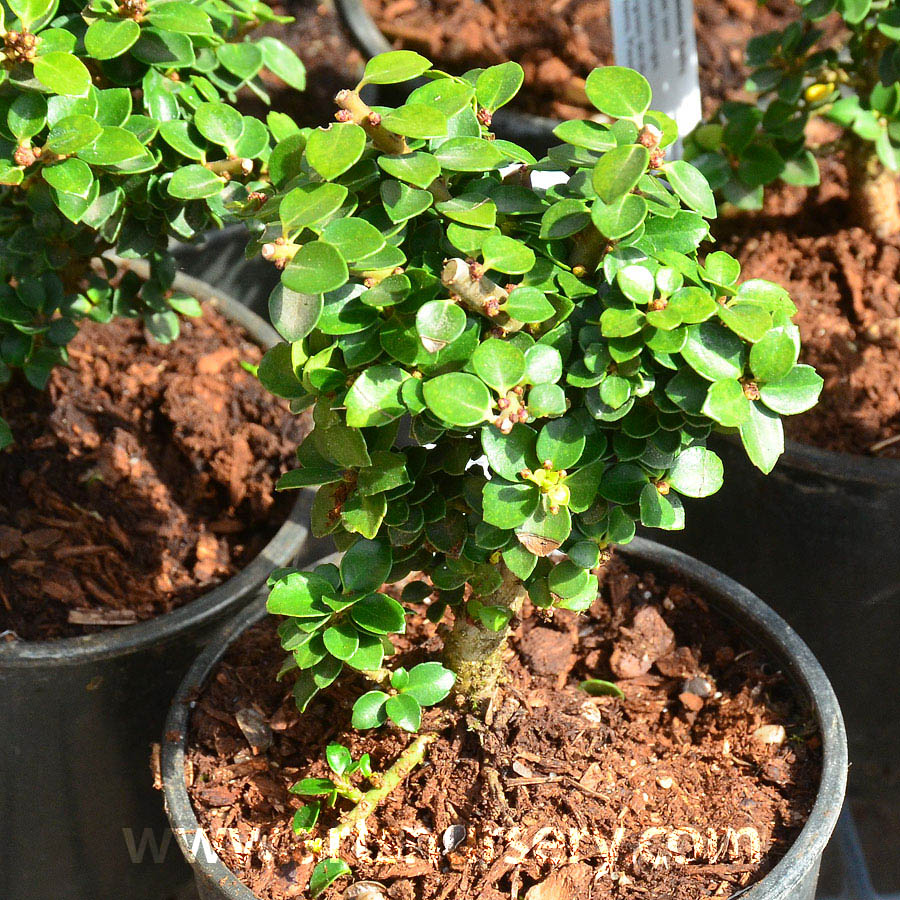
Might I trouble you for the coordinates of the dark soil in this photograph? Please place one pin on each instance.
(846, 283)
(142, 477)
(332, 63)
(558, 42)
(561, 795)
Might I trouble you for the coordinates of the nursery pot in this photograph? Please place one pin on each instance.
(535, 133)
(817, 538)
(79, 816)
(219, 260)
(795, 876)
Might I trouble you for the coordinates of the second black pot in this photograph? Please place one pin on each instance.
(817, 538)
(794, 878)
(79, 816)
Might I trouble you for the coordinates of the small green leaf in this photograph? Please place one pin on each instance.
(499, 364)
(507, 505)
(72, 133)
(429, 683)
(333, 150)
(690, 185)
(394, 67)
(181, 17)
(617, 219)
(509, 454)
(369, 710)
(469, 154)
(281, 60)
(598, 688)
(505, 254)
(62, 73)
(325, 874)
(794, 393)
(714, 352)
(313, 787)
(763, 437)
(218, 122)
(379, 614)
(341, 640)
(306, 817)
(458, 399)
(619, 92)
(727, 403)
(439, 322)
(109, 38)
(366, 565)
(402, 202)
(404, 710)
(338, 757)
(195, 183)
(310, 204)
(497, 85)
(72, 176)
(416, 120)
(374, 399)
(316, 269)
(697, 472)
(618, 172)
(774, 355)
(417, 168)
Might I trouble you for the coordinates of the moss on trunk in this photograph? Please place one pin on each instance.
(475, 653)
(873, 193)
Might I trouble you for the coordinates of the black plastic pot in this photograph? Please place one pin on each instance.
(78, 717)
(794, 878)
(535, 133)
(817, 538)
(219, 260)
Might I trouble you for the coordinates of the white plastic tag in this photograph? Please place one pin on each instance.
(656, 37)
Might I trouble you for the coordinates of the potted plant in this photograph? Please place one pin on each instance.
(557, 50)
(115, 134)
(505, 381)
(821, 141)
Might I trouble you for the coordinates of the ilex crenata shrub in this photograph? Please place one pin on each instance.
(798, 75)
(117, 133)
(511, 364)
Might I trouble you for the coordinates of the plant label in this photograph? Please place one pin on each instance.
(657, 38)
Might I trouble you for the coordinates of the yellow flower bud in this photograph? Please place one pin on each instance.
(818, 92)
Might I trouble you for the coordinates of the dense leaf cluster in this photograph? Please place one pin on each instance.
(797, 76)
(500, 371)
(116, 132)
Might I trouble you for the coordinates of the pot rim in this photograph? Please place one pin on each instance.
(727, 597)
(279, 551)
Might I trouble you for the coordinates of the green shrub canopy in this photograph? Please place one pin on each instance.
(499, 372)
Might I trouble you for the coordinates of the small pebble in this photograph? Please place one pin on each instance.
(453, 837)
(365, 890)
(665, 782)
(770, 734)
(698, 686)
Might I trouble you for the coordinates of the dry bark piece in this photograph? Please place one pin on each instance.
(643, 643)
(255, 728)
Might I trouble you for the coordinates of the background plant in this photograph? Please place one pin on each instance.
(797, 77)
(117, 132)
(505, 379)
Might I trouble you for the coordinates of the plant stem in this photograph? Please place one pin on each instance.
(363, 115)
(475, 653)
(479, 295)
(406, 762)
(873, 192)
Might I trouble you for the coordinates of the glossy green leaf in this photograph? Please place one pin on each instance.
(697, 472)
(404, 710)
(369, 710)
(793, 393)
(497, 85)
(618, 171)
(109, 38)
(394, 67)
(499, 364)
(619, 92)
(458, 399)
(195, 183)
(379, 614)
(62, 73)
(317, 268)
(333, 150)
(326, 872)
